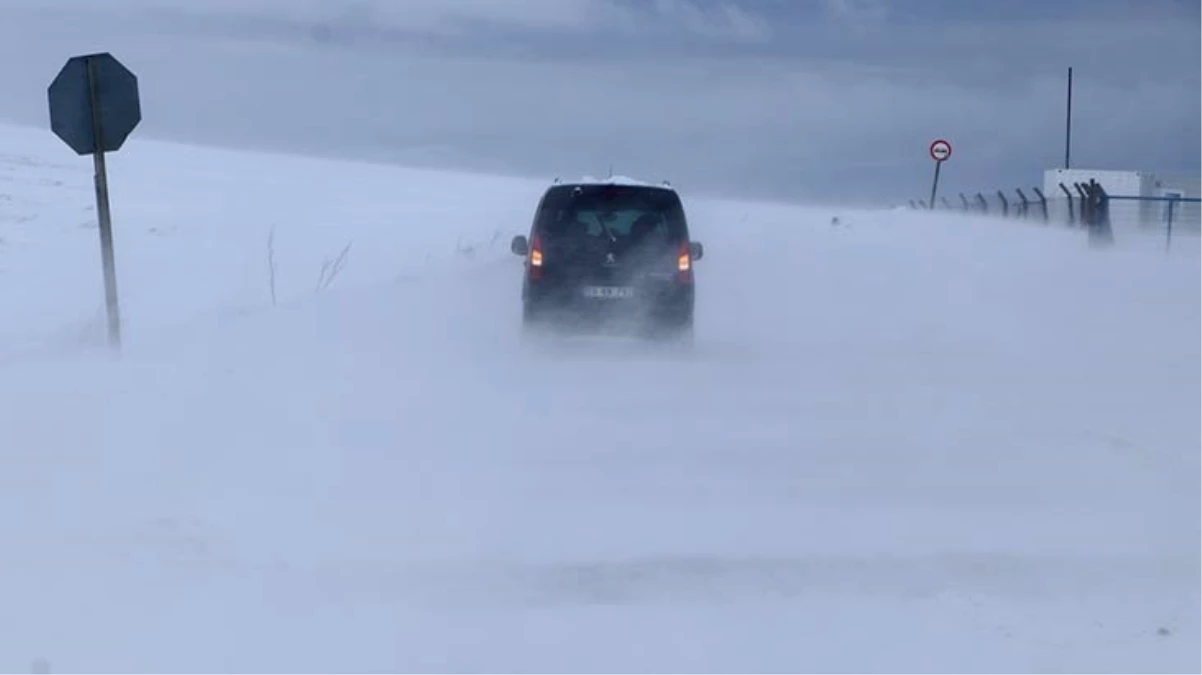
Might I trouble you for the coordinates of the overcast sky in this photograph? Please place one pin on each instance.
(829, 100)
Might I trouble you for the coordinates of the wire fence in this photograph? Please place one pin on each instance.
(1086, 205)
(1019, 204)
(1170, 215)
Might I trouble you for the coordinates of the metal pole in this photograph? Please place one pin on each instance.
(1068, 121)
(1168, 237)
(935, 184)
(111, 303)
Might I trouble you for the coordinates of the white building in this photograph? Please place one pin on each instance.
(1151, 213)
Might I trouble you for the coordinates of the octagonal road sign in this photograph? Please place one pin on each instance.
(103, 80)
(940, 150)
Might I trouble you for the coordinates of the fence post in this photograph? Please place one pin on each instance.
(1086, 213)
(1043, 203)
(1005, 204)
(946, 204)
(1022, 207)
(1068, 196)
(912, 205)
(1168, 233)
(983, 203)
(1100, 232)
(963, 202)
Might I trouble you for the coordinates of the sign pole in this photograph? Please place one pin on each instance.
(112, 305)
(94, 105)
(935, 184)
(940, 150)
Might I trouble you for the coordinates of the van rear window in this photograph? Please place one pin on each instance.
(613, 211)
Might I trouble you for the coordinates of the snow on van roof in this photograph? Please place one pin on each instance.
(618, 180)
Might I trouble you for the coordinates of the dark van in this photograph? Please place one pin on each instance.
(609, 255)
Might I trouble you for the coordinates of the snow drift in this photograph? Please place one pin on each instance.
(903, 443)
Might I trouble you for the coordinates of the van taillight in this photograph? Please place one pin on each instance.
(684, 264)
(536, 258)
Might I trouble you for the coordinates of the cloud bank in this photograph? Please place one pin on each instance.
(831, 100)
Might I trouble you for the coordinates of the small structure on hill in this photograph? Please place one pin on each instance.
(1145, 200)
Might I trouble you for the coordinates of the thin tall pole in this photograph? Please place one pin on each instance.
(103, 215)
(1068, 121)
(934, 185)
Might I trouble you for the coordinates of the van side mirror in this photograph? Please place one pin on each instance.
(696, 250)
(519, 245)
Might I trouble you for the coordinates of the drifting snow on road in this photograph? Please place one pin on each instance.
(905, 443)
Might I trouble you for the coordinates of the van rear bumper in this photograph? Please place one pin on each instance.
(666, 305)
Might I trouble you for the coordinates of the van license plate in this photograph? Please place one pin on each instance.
(608, 292)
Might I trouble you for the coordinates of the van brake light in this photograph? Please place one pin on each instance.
(684, 264)
(536, 257)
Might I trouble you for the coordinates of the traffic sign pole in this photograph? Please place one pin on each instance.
(935, 185)
(108, 259)
(94, 106)
(940, 150)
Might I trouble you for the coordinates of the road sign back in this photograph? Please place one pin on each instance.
(88, 78)
(93, 107)
(940, 150)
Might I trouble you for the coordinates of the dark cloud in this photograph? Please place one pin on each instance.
(830, 100)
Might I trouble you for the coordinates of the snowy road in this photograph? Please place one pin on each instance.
(905, 444)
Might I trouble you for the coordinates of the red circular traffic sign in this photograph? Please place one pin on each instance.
(940, 150)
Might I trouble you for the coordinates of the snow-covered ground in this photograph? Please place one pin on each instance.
(909, 442)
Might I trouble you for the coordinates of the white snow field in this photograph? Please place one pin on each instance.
(906, 443)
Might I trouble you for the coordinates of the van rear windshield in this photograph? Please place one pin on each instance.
(614, 211)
